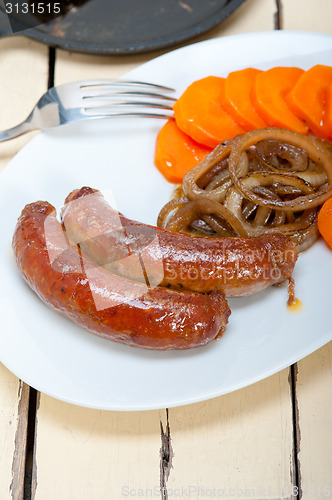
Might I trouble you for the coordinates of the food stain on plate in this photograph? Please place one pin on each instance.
(296, 306)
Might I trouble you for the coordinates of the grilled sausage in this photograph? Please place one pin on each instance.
(107, 305)
(235, 266)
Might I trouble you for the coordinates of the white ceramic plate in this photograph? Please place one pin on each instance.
(58, 358)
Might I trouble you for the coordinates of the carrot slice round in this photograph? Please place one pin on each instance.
(325, 221)
(327, 121)
(308, 97)
(176, 153)
(200, 114)
(269, 92)
(237, 98)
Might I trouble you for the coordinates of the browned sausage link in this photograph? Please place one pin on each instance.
(235, 266)
(104, 304)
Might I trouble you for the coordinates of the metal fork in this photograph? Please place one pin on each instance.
(92, 99)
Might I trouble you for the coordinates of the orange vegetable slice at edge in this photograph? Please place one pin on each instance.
(237, 98)
(325, 221)
(308, 97)
(327, 119)
(176, 153)
(269, 98)
(200, 114)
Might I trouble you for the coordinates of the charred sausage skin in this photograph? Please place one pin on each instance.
(234, 266)
(107, 305)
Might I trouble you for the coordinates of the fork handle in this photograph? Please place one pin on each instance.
(20, 129)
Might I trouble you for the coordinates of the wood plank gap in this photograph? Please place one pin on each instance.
(297, 491)
(30, 443)
(19, 462)
(166, 456)
(278, 21)
(51, 67)
(34, 459)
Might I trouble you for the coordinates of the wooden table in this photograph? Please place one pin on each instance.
(269, 440)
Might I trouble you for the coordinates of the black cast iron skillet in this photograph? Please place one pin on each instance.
(125, 26)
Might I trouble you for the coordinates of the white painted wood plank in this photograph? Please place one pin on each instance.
(314, 397)
(23, 67)
(307, 15)
(14, 400)
(84, 454)
(237, 446)
(251, 16)
(70, 66)
(24, 75)
(314, 373)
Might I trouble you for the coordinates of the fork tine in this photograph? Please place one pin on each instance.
(107, 98)
(130, 114)
(121, 83)
(128, 104)
(96, 94)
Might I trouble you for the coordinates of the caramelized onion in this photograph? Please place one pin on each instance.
(280, 156)
(265, 181)
(315, 149)
(191, 179)
(256, 179)
(314, 178)
(187, 213)
(218, 225)
(305, 228)
(171, 205)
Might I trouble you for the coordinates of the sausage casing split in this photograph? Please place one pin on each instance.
(107, 305)
(235, 266)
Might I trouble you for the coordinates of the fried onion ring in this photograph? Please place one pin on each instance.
(265, 181)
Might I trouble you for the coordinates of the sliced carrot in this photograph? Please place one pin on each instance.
(237, 98)
(325, 221)
(176, 153)
(200, 114)
(269, 92)
(308, 97)
(327, 120)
